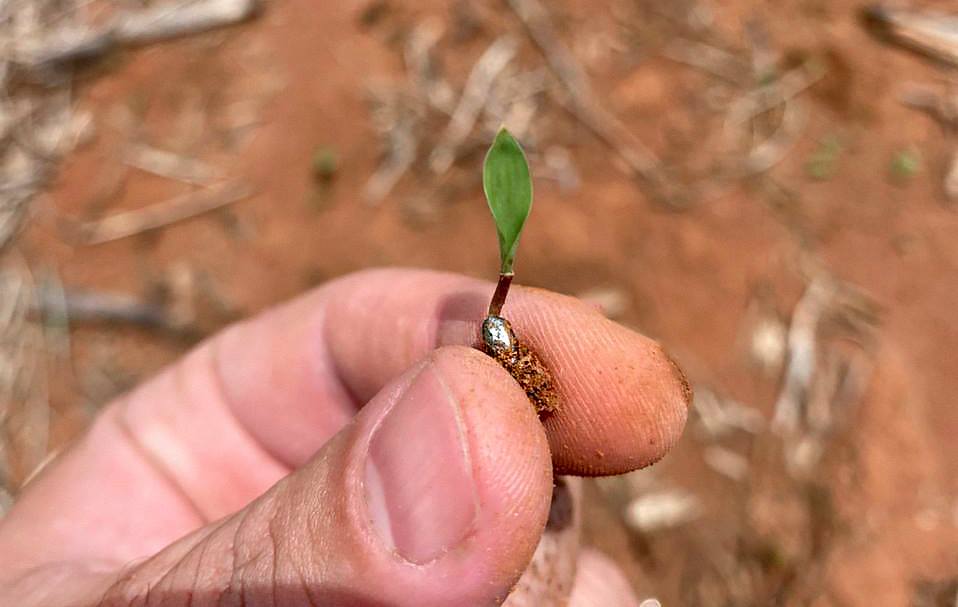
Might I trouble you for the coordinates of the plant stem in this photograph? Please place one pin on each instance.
(499, 297)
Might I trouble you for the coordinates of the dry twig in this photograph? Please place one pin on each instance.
(584, 104)
(826, 372)
(802, 354)
(398, 122)
(726, 462)
(108, 308)
(422, 67)
(773, 150)
(24, 403)
(932, 34)
(715, 61)
(662, 510)
(170, 165)
(942, 107)
(63, 47)
(474, 98)
(163, 214)
(718, 416)
(765, 98)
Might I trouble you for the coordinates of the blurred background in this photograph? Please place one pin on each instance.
(767, 188)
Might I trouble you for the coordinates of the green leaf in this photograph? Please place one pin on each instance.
(508, 188)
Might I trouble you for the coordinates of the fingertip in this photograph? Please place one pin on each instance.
(623, 401)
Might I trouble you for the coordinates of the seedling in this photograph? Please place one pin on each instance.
(508, 187)
(905, 164)
(822, 165)
(325, 164)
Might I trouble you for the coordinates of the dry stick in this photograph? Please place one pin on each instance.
(474, 97)
(29, 380)
(717, 62)
(163, 214)
(772, 150)
(169, 165)
(402, 153)
(944, 109)
(98, 307)
(182, 19)
(932, 34)
(585, 106)
(131, 28)
(802, 356)
(422, 67)
(759, 101)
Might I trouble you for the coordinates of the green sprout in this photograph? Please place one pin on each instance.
(822, 165)
(508, 186)
(325, 163)
(905, 164)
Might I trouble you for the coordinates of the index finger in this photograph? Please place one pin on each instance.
(623, 402)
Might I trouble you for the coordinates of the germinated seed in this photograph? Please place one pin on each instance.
(497, 335)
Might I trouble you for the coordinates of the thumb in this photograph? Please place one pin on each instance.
(435, 494)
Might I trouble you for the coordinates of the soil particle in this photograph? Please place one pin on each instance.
(687, 393)
(527, 368)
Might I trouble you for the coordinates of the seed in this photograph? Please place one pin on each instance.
(497, 335)
(500, 342)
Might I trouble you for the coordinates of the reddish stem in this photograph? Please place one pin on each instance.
(499, 297)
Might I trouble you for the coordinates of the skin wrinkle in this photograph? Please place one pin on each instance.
(230, 553)
(297, 568)
(237, 581)
(306, 590)
(330, 361)
(200, 542)
(274, 553)
(145, 454)
(170, 570)
(202, 545)
(124, 577)
(319, 352)
(199, 566)
(222, 394)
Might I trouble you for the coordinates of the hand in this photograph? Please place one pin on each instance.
(347, 449)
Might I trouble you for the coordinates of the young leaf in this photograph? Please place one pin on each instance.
(508, 187)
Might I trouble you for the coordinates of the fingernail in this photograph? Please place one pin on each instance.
(418, 480)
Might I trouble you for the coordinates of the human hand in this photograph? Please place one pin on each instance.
(347, 449)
